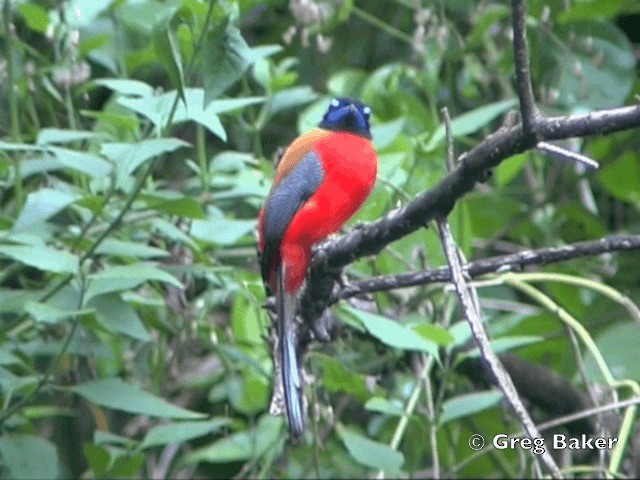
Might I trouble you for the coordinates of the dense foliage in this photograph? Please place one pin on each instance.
(137, 147)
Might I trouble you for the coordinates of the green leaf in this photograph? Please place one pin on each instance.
(264, 51)
(43, 258)
(46, 313)
(390, 169)
(118, 395)
(174, 203)
(178, 433)
(504, 344)
(246, 322)
(337, 378)
(93, 203)
(48, 136)
(311, 115)
(102, 437)
(116, 315)
(169, 231)
(28, 457)
(36, 412)
(92, 47)
(98, 458)
(621, 178)
(136, 271)
(8, 358)
(385, 133)
(289, 98)
(84, 162)
(10, 382)
(221, 230)
(101, 286)
(157, 109)
(127, 87)
(347, 83)
(34, 16)
(248, 393)
(17, 147)
(124, 465)
(239, 355)
(39, 164)
(587, 10)
(617, 344)
(64, 158)
(40, 206)
(483, 20)
(143, 16)
(465, 405)
(166, 47)
(382, 405)
(470, 122)
(577, 223)
(433, 333)
(129, 156)
(508, 170)
(228, 57)
(121, 248)
(245, 445)
(226, 105)
(82, 13)
(369, 453)
(591, 66)
(393, 333)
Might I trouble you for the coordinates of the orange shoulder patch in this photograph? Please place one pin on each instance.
(295, 151)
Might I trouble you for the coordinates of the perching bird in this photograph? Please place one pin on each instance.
(320, 182)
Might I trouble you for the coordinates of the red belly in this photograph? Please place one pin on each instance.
(350, 165)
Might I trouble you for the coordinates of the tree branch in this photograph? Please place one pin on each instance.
(491, 361)
(515, 261)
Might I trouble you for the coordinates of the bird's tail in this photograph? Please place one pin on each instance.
(288, 359)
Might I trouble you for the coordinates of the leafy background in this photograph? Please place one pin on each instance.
(138, 140)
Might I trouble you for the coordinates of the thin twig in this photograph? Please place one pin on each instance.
(528, 108)
(557, 152)
(12, 92)
(492, 362)
(409, 409)
(590, 412)
(444, 114)
(385, 27)
(515, 262)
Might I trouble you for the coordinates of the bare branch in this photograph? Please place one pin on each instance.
(444, 115)
(555, 151)
(516, 261)
(528, 108)
(590, 412)
(492, 362)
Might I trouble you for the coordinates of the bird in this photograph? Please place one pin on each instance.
(321, 180)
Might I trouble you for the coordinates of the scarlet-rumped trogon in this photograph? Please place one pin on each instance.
(320, 182)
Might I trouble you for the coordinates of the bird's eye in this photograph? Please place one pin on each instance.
(366, 111)
(335, 103)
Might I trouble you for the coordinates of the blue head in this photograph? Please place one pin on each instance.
(347, 115)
